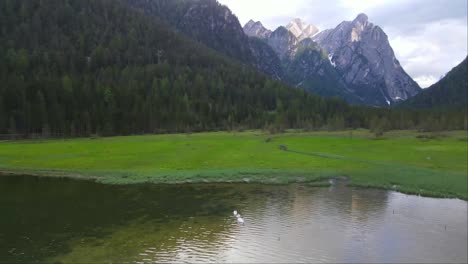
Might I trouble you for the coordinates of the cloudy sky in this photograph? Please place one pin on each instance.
(429, 37)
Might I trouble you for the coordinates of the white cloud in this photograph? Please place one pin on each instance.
(431, 51)
(263, 10)
(426, 80)
(429, 37)
(360, 5)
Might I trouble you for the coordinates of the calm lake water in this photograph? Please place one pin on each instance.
(49, 220)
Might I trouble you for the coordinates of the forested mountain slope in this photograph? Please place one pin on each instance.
(450, 92)
(205, 21)
(79, 67)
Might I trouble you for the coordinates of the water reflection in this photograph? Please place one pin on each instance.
(72, 221)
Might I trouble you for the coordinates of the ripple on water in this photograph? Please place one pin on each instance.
(283, 224)
(322, 226)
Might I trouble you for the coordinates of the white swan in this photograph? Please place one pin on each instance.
(240, 220)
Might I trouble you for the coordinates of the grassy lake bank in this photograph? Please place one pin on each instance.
(405, 161)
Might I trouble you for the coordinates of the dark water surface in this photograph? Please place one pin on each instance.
(60, 220)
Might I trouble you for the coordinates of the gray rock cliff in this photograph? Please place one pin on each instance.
(366, 62)
(282, 41)
(256, 29)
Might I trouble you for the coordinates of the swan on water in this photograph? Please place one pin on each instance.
(240, 220)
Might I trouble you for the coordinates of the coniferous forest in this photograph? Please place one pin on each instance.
(83, 67)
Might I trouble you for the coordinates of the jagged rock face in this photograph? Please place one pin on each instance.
(303, 45)
(282, 41)
(303, 64)
(214, 24)
(300, 63)
(366, 62)
(266, 59)
(310, 69)
(256, 29)
(301, 29)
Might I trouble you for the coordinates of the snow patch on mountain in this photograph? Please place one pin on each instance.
(330, 58)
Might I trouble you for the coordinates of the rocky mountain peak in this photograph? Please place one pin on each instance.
(301, 29)
(249, 24)
(281, 40)
(366, 61)
(281, 31)
(296, 26)
(256, 29)
(361, 18)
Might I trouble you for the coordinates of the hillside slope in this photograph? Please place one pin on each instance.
(81, 67)
(450, 92)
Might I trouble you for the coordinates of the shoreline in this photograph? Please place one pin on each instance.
(314, 182)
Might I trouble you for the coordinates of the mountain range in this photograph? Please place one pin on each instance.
(357, 62)
(353, 61)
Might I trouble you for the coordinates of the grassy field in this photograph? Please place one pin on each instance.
(401, 160)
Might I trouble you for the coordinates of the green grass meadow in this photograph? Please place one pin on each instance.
(400, 160)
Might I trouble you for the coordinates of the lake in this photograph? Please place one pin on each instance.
(63, 220)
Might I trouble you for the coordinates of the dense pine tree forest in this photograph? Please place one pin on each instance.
(83, 67)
